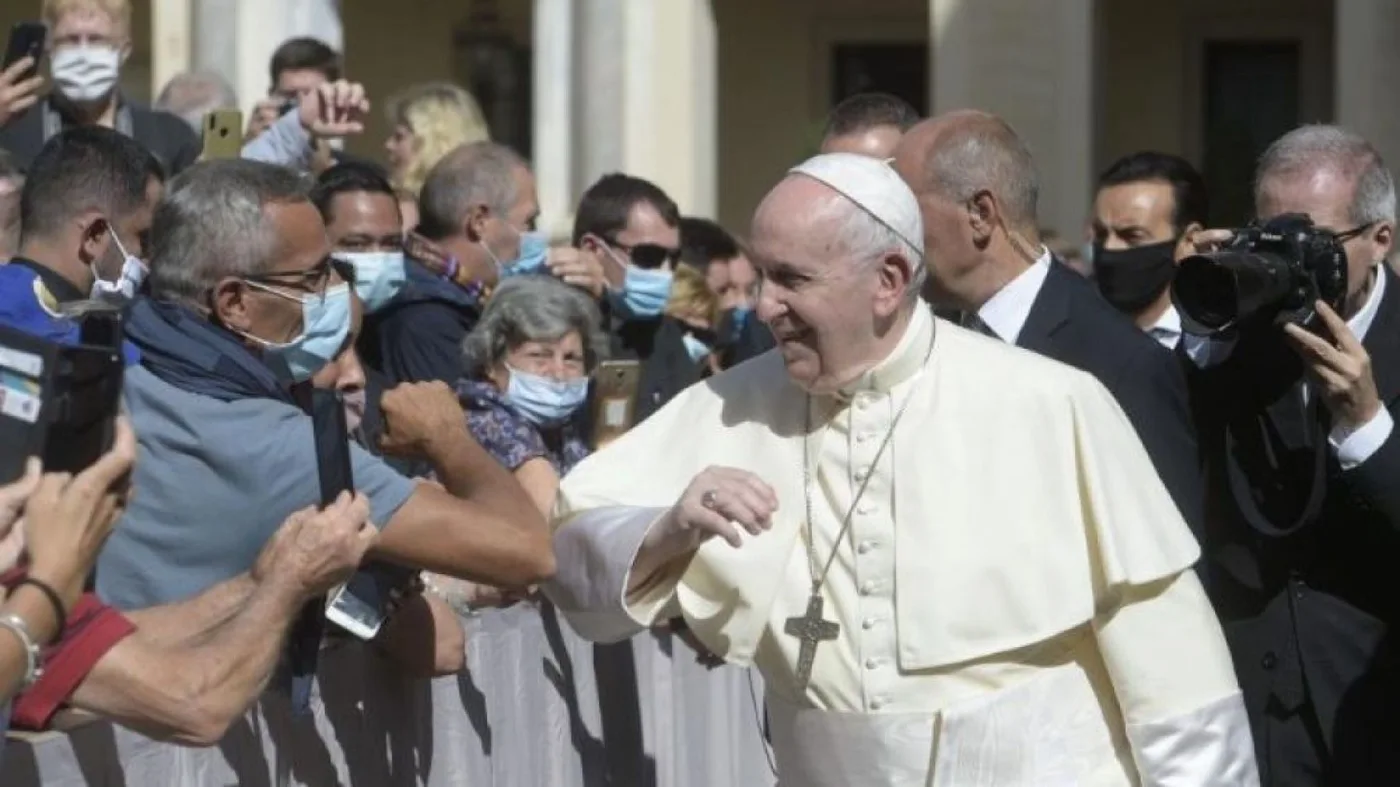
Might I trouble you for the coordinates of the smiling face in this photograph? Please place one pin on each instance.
(829, 306)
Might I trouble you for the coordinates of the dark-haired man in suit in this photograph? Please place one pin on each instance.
(977, 188)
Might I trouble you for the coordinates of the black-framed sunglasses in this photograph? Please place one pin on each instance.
(647, 255)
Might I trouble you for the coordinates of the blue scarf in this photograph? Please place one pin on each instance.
(181, 347)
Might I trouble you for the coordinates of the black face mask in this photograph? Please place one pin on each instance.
(1131, 279)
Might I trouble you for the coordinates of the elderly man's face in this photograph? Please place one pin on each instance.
(950, 244)
(302, 266)
(1325, 195)
(501, 234)
(345, 375)
(826, 308)
(365, 221)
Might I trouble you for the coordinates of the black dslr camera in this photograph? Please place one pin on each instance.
(1269, 274)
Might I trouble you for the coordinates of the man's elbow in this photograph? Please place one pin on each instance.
(201, 727)
(532, 561)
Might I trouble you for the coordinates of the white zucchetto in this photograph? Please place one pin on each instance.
(874, 186)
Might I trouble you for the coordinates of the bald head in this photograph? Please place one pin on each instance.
(958, 154)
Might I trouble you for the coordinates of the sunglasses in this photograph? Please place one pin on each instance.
(647, 255)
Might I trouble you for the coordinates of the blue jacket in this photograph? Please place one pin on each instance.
(30, 295)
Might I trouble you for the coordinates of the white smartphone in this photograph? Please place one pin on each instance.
(361, 605)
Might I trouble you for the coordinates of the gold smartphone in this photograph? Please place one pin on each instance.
(614, 400)
(223, 134)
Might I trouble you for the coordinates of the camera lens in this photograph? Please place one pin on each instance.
(1217, 290)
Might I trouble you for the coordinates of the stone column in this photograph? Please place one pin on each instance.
(172, 30)
(555, 129)
(1368, 72)
(237, 37)
(643, 97)
(1032, 63)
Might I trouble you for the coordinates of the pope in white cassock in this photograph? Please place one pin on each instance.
(951, 559)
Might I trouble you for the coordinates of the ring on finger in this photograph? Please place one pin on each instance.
(710, 499)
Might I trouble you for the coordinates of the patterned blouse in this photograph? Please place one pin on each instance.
(512, 439)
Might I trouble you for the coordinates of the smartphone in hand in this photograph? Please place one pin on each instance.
(26, 40)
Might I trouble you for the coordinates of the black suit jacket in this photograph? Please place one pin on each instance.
(1071, 323)
(1307, 607)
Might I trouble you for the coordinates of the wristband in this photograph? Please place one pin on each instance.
(54, 601)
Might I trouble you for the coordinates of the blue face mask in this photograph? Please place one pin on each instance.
(644, 293)
(545, 401)
(379, 275)
(695, 348)
(325, 323)
(533, 257)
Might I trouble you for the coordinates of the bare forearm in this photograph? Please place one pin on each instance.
(194, 619)
(481, 525)
(469, 473)
(192, 690)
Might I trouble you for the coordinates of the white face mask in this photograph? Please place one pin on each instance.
(128, 283)
(86, 72)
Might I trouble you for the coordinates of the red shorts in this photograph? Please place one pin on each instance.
(92, 629)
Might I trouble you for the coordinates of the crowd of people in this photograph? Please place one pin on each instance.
(894, 449)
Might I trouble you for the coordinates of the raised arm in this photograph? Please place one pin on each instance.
(481, 525)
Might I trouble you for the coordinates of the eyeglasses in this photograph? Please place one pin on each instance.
(647, 255)
(1354, 232)
(313, 279)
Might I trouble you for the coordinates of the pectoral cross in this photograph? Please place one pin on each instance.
(812, 630)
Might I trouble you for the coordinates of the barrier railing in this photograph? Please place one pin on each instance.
(537, 707)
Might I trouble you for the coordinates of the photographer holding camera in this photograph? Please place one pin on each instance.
(1294, 329)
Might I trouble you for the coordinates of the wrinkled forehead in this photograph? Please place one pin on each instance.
(800, 219)
(1324, 193)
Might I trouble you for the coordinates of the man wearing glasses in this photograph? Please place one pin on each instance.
(633, 228)
(246, 305)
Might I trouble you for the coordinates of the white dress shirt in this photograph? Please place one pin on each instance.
(1351, 446)
(1005, 313)
(1167, 329)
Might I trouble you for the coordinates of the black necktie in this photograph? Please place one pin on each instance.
(972, 322)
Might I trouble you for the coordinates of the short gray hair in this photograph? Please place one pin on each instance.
(985, 153)
(479, 173)
(533, 309)
(191, 94)
(1309, 148)
(213, 224)
(868, 239)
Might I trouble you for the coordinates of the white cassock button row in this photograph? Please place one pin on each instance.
(862, 437)
(865, 509)
(872, 663)
(865, 546)
(869, 623)
(862, 472)
(866, 588)
(877, 703)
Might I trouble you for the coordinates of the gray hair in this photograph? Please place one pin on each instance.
(533, 309)
(868, 239)
(213, 224)
(191, 94)
(480, 173)
(1310, 148)
(984, 153)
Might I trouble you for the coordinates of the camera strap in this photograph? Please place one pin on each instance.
(1242, 492)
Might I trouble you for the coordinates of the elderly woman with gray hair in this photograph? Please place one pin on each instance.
(527, 366)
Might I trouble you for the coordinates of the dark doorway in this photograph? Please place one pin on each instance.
(1252, 92)
(900, 69)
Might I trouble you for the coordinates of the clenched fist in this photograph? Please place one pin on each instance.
(418, 414)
